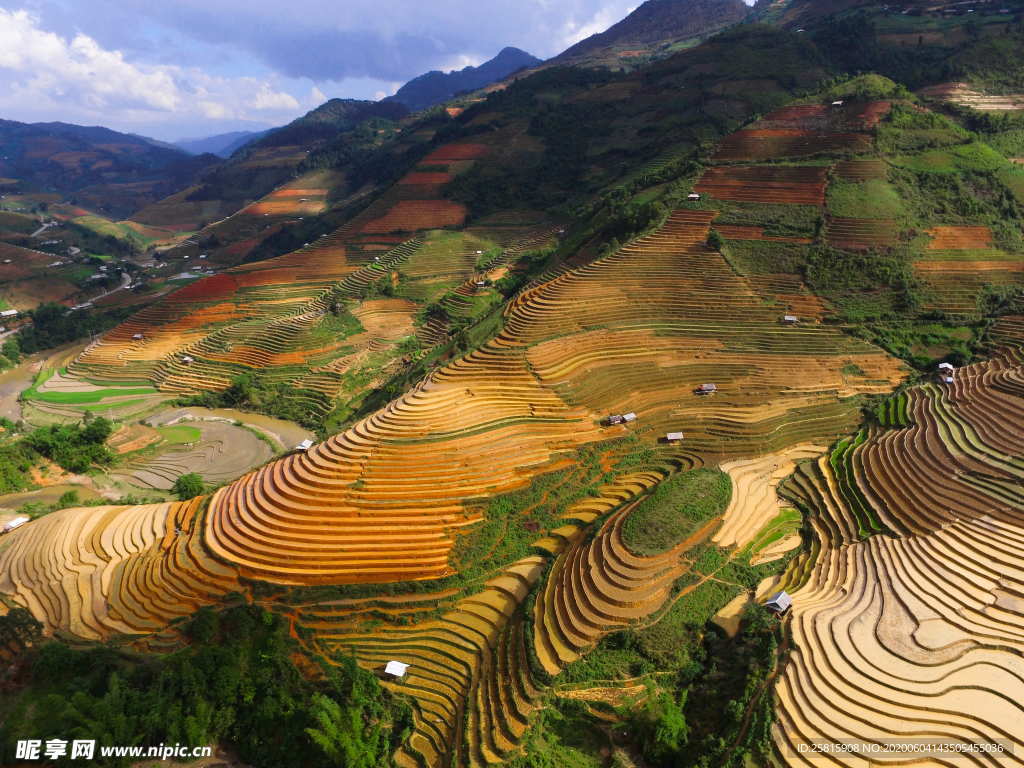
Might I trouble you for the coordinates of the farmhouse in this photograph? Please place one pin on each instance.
(707, 389)
(946, 368)
(137, 336)
(305, 445)
(790, 319)
(9, 313)
(188, 360)
(693, 196)
(395, 670)
(622, 418)
(674, 437)
(15, 523)
(779, 603)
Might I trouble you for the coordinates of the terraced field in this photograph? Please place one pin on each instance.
(916, 634)
(766, 184)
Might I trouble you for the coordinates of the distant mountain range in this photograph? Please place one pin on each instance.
(110, 172)
(222, 145)
(437, 87)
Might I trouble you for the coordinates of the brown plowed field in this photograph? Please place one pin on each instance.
(959, 238)
(765, 184)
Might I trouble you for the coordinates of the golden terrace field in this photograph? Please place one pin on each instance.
(479, 525)
(387, 499)
(915, 634)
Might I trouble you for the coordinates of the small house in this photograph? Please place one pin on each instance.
(628, 417)
(946, 368)
(188, 360)
(202, 255)
(15, 523)
(707, 389)
(674, 437)
(779, 603)
(9, 313)
(790, 319)
(838, 103)
(305, 445)
(137, 337)
(395, 670)
(693, 197)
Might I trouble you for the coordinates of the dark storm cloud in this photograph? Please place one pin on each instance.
(389, 40)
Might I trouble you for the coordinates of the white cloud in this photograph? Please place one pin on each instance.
(604, 18)
(266, 98)
(43, 74)
(316, 96)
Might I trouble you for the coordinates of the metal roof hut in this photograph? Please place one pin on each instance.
(790, 319)
(779, 603)
(674, 437)
(946, 368)
(305, 445)
(395, 669)
(707, 389)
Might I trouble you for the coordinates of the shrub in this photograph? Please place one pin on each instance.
(188, 486)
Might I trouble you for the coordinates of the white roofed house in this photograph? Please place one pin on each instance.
(674, 437)
(395, 670)
(15, 523)
(305, 445)
(707, 389)
(790, 319)
(779, 603)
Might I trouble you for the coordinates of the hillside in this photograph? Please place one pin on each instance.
(109, 172)
(437, 87)
(655, 29)
(260, 166)
(595, 367)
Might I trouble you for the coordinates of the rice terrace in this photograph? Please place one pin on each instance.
(657, 403)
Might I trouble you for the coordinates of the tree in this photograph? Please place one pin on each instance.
(715, 239)
(188, 486)
(19, 629)
(343, 735)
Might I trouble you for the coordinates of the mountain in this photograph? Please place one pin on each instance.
(653, 28)
(270, 159)
(110, 172)
(222, 145)
(436, 87)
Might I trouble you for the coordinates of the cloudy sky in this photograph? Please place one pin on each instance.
(176, 69)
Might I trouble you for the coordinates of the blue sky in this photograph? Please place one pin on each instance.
(190, 68)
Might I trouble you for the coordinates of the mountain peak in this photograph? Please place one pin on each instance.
(436, 87)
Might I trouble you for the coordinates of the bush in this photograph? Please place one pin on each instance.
(74, 447)
(236, 683)
(188, 486)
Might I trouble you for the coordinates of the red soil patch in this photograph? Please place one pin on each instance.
(730, 232)
(458, 151)
(960, 238)
(414, 215)
(454, 111)
(422, 177)
(766, 184)
(208, 289)
(766, 144)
